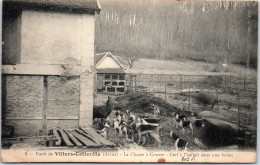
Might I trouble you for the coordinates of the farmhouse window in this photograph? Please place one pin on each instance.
(122, 77)
(121, 83)
(114, 77)
(107, 77)
(114, 83)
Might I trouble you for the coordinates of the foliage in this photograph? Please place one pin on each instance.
(201, 31)
(71, 70)
(142, 103)
(203, 98)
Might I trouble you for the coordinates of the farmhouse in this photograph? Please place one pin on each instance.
(112, 73)
(48, 56)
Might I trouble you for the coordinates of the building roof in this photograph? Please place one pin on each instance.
(72, 5)
(111, 71)
(121, 60)
(99, 56)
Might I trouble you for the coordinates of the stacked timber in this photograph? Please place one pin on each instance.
(84, 137)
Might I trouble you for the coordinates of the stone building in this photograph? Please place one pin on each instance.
(48, 64)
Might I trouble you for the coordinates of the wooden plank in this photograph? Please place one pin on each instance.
(83, 139)
(6, 141)
(24, 118)
(63, 118)
(97, 136)
(73, 138)
(88, 136)
(32, 69)
(45, 105)
(55, 133)
(65, 138)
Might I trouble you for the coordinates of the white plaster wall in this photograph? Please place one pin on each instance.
(53, 38)
(62, 38)
(87, 70)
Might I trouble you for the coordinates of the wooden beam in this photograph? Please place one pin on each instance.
(40, 118)
(63, 118)
(32, 69)
(45, 105)
(97, 136)
(83, 139)
(78, 144)
(24, 118)
(4, 101)
(88, 136)
(6, 141)
(56, 134)
(65, 138)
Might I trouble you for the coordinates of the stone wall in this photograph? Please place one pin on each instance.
(63, 102)
(23, 103)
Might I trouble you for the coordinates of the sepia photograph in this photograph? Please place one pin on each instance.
(141, 81)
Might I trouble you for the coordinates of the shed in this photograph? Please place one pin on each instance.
(112, 73)
(48, 56)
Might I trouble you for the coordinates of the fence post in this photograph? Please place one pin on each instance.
(189, 98)
(181, 82)
(132, 81)
(135, 85)
(230, 81)
(244, 82)
(165, 91)
(158, 83)
(238, 114)
(217, 99)
(149, 84)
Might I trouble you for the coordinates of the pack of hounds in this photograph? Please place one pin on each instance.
(137, 128)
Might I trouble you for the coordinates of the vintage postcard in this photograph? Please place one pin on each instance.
(129, 81)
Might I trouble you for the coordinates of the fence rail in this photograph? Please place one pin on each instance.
(232, 96)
